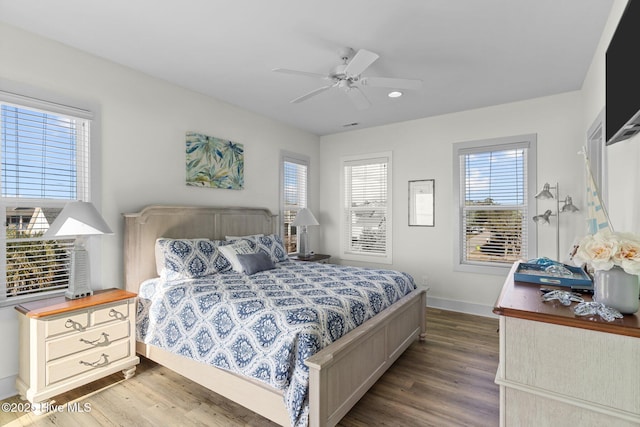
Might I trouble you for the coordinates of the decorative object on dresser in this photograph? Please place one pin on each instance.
(365, 352)
(544, 218)
(303, 219)
(67, 343)
(559, 369)
(214, 162)
(615, 257)
(78, 219)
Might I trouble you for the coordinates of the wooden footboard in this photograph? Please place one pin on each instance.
(342, 373)
(252, 394)
(339, 375)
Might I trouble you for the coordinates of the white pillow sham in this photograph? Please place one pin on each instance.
(231, 251)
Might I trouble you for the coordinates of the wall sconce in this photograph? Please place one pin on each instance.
(549, 192)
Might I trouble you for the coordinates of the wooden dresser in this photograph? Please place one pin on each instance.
(67, 343)
(557, 369)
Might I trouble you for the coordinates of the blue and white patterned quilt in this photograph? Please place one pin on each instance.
(265, 325)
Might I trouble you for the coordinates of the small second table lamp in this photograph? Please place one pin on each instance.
(80, 220)
(303, 219)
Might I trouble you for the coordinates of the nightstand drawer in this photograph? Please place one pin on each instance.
(110, 313)
(101, 337)
(85, 361)
(73, 322)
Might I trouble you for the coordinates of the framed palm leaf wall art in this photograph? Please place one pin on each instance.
(213, 162)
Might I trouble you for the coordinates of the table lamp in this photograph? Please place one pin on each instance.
(79, 220)
(303, 219)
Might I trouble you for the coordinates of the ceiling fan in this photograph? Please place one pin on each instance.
(348, 77)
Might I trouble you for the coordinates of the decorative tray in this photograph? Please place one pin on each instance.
(535, 273)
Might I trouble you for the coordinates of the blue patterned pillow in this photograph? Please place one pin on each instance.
(189, 258)
(272, 246)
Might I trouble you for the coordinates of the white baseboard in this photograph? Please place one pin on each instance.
(8, 387)
(461, 306)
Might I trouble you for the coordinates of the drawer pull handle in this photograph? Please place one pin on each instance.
(99, 363)
(115, 313)
(103, 336)
(73, 324)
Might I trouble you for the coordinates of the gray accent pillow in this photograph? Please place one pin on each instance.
(254, 263)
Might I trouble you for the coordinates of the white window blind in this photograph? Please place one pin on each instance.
(44, 164)
(367, 208)
(294, 195)
(494, 204)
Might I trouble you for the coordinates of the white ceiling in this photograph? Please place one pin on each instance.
(468, 53)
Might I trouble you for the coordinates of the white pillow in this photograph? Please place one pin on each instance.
(232, 250)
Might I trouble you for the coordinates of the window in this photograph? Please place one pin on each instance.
(494, 181)
(44, 163)
(366, 220)
(295, 176)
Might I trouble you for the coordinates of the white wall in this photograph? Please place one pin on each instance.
(142, 133)
(422, 149)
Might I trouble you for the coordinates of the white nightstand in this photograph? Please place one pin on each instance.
(68, 343)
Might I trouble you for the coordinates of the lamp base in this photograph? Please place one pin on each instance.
(303, 250)
(78, 293)
(79, 274)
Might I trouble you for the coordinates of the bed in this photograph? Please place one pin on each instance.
(339, 374)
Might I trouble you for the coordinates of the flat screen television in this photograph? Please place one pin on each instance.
(622, 108)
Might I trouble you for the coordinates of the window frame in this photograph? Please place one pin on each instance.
(300, 159)
(345, 230)
(33, 99)
(527, 141)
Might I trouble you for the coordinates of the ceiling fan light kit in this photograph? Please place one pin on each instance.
(348, 77)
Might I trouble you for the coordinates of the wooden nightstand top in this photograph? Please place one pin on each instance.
(312, 258)
(57, 305)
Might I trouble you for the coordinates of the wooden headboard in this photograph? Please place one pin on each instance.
(142, 228)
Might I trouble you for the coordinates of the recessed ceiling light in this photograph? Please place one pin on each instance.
(395, 94)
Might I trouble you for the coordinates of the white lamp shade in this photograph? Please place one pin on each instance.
(78, 219)
(304, 217)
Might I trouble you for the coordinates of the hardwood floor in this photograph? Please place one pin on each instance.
(445, 381)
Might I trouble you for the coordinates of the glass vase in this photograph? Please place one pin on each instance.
(617, 289)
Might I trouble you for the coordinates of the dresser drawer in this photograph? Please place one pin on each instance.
(110, 313)
(86, 361)
(72, 322)
(101, 337)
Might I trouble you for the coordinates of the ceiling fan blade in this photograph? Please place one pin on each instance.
(299, 73)
(357, 97)
(391, 83)
(310, 94)
(360, 62)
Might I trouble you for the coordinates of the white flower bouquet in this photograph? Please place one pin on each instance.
(606, 249)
